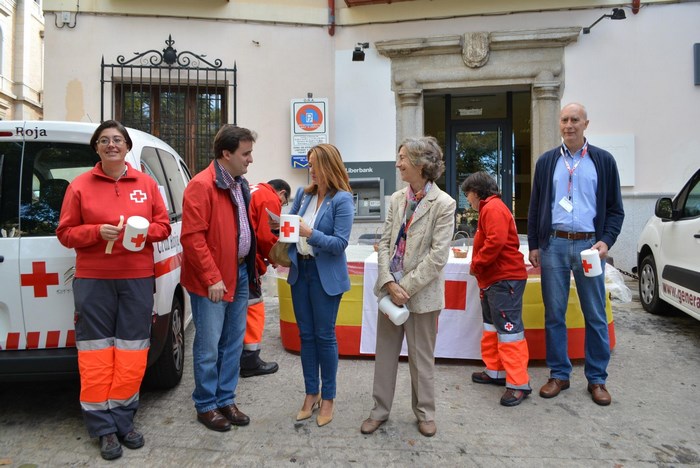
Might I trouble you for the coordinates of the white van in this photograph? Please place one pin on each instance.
(37, 162)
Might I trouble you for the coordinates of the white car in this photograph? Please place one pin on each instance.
(37, 162)
(668, 253)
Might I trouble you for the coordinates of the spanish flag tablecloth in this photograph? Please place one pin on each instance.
(460, 323)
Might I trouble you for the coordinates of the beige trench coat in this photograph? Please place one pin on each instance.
(427, 249)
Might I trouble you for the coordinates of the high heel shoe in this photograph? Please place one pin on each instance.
(306, 414)
(323, 420)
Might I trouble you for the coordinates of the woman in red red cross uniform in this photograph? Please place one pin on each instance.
(499, 267)
(113, 286)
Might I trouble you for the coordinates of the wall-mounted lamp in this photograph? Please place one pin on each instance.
(617, 14)
(358, 55)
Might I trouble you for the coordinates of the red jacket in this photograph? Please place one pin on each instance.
(495, 254)
(210, 234)
(94, 199)
(263, 196)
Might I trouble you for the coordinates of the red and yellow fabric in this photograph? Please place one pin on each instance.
(460, 324)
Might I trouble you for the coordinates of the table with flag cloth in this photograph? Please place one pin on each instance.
(460, 323)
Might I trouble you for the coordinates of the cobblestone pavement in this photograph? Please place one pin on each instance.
(653, 421)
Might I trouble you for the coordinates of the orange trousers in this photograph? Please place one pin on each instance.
(510, 356)
(255, 324)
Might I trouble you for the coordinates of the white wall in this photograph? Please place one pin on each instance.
(636, 76)
(365, 111)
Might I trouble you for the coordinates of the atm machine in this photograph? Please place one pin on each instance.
(368, 195)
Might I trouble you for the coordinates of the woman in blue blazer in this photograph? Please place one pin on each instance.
(319, 274)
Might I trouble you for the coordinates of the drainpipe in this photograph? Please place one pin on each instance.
(331, 17)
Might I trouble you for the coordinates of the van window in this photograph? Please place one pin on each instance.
(163, 167)
(10, 163)
(47, 170)
(177, 185)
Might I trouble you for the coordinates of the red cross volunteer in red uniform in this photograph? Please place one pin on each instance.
(263, 197)
(499, 268)
(113, 291)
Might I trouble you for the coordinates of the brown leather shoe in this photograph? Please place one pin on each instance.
(553, 387)
(214, 420)
(600, 394)
(234, 415)
(427, 428)
(370, 425)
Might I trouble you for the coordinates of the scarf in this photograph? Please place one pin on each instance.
(412, 201)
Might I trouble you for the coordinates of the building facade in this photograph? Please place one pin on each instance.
(487, 78)
(21, 59)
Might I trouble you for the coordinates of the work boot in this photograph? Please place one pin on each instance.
(257, 366)
(110, 448)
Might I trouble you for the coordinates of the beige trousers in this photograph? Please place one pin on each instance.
(421, 333)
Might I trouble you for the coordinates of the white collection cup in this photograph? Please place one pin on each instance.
(289, 228)
(590, 261)
(397, 314)
(135, 233)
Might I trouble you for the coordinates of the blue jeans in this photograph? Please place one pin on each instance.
(315, 313)
(558, 260)
(218, 342)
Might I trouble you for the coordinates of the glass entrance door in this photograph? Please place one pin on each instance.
(482, 147)
(484, 129)
(477, 147)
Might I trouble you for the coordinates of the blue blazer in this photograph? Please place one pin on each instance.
(331, 232)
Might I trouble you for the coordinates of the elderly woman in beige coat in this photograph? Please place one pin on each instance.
(413, 251)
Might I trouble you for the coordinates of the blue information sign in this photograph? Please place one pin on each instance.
(299, 161)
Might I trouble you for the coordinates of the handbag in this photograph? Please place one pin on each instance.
(279, 254)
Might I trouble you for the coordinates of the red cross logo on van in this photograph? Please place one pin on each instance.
(39, 279)
(138, 196)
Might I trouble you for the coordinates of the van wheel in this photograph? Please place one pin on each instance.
(649, 287)
(166, 372)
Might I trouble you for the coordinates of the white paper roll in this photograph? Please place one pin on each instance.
(289, 228)
(397, 314)
(590, 261)
(135, 233)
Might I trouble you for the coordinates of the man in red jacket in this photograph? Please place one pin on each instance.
(499, 267)
(218, 266)
(263, 197)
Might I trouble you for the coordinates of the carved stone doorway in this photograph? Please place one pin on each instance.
(507, 59)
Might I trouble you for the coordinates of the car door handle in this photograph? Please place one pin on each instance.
(697, 236)
(2, 258)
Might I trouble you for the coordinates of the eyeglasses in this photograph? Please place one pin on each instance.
(286, 200)
(117, 141)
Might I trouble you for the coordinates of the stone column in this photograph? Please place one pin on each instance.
(546, 102)
(409, 118)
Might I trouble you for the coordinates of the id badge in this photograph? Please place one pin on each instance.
(566, 204)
